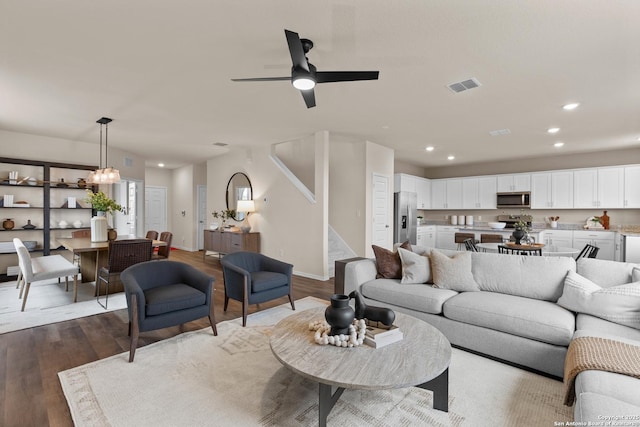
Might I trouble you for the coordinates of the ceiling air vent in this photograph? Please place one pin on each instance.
(499, 132)
(220, 144)
(464, 85)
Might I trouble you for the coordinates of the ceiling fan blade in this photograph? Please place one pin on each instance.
(309, 97)
(262, 79)
(345, 76)
(296, 51)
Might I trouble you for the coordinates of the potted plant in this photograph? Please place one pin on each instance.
(521, 227)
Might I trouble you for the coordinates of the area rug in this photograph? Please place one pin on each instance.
(49, 303)
(196, 379)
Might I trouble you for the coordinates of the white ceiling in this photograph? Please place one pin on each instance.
(161, 69)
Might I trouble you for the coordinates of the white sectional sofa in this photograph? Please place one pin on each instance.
(512, 314)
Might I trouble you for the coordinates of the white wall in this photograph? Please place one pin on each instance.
(291, 228)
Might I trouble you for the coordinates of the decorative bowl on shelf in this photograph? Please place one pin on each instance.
(497, 225)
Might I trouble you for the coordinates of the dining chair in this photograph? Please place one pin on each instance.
(491, 238)
(122, 254)
(470, 245)
(589, 251)
(459, 238)
(43, 268)
(253, 278)
(152, 235)
(79, 234)
(164, 251)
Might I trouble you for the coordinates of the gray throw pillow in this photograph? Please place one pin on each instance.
(415, 268)
(453, 273)
(618, 304)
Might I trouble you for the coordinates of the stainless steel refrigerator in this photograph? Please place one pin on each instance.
(405, 213)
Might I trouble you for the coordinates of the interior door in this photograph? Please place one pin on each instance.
(155, 209)
(381, 230)
(202, 214)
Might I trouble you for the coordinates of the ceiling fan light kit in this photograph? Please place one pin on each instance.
(304, 75)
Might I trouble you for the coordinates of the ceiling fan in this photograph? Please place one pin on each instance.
(304, 75)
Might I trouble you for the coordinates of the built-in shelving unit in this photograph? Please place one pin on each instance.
(46, 187)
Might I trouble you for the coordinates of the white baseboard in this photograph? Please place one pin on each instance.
(311, 276)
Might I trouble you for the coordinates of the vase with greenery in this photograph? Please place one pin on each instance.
(224, 215)
(102, 204)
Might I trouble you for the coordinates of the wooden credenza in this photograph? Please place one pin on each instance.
(226, 242)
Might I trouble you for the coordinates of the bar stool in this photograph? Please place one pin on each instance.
(461, 237)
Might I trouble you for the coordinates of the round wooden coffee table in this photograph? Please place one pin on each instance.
(420, 359)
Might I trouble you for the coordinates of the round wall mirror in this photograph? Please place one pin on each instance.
(238, 188)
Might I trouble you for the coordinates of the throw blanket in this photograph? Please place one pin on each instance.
(593, 353)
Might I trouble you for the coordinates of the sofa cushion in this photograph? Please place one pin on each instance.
(603, 410)
(168, 298)
(415, 268)
(453, 272)
(526, 276)
(388, 262)
(606, 273)
(635, 274)
(617, 386)
(423, 298)
(619, 304)
(266, 280)
(525, 317)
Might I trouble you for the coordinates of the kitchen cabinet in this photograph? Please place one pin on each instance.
(631, 186)
(479, 192)
(41, 198)
(426, 236)
(552, 190)
(514, 182)
(598, 188)
(562, 238)
(404, 182)
(445, 237)
(423, 190)
(446, 193)
(604, 240)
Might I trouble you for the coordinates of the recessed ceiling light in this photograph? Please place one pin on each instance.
(385, 127)
(558, 144)
(553, 130)
(160, 165)
(429, 148)
(571, 106)
(638, 139)
(451, 157)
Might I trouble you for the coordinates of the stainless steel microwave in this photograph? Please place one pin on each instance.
(520, 199)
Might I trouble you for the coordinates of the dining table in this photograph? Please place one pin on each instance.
(93, 255)
(547, 250)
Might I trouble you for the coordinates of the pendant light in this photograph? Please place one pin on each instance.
(106, 175)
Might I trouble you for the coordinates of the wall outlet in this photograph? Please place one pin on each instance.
(446, 217)
(479, 217)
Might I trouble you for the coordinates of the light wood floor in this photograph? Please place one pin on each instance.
(30, 392)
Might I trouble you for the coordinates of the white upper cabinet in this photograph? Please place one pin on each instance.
(403, 182)
(446, 193)
(552, 190)
(515, 182)
(479, 192)
(423, 188)
(598, 188)
(632, 186)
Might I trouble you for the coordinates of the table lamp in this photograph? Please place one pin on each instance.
(246, 206)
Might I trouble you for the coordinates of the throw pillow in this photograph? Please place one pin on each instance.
(635, 274)
(388, 263)
(415, 268)
(618, 304)
(453, 273)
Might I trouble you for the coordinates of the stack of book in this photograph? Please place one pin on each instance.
(380, 337)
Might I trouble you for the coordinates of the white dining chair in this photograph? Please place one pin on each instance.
(42, 268)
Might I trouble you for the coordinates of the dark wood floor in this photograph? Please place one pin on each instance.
(30, 392)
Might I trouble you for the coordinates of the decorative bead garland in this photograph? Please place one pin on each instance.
(355, 337)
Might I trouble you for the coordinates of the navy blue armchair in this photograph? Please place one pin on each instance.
(253, 278)
(164, 294)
